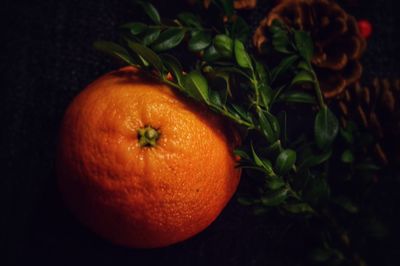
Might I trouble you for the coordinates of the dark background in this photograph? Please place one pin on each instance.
(46, 59)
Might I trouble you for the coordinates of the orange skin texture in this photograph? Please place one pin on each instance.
(144, 197)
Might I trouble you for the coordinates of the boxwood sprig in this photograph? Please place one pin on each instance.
(223, 63)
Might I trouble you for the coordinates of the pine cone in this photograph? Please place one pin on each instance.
(338, 44)
(245, 4)
(238, 4)
(377, 108)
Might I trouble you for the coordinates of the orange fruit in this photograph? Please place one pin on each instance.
(142, 166)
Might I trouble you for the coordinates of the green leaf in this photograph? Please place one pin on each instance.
(315, 159)
(276, 26)
(215, 98)
(169, 39)
(242, 154)
(224, 45)
(246, 201)
(303, 77)
(274, 149)
(134, 27)
(261, 72)
(147, 54)
(304, 44)
(304, 66)
(211, 54)
(283, 66)
(317, 190)
(237, 109)
(275, 183)
(347, 135)
(190, 20)
(275, 198)
(285, 161)
(240, 29)
(114, 50)
(257, 160)
(266, 127)
(298, 208)
(242, 57)
(150, 36)
(297, 97)
(281, 42)
(264, 88)
(225, 76)
(173, 66)
(151, 11)
(226, 6)
(326, 127)
(263, 163)
(346, 204)
(233, 70)
(199, 41)
(347, 156)
(274, 124)
(196, 86)
(266, 95)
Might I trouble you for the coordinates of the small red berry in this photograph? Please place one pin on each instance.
(365, 28)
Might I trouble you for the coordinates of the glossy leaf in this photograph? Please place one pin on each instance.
(266, 127)
(240, 111)
(242, 154)
(315, 159)
(240, 29)
(224, 45)
(169, 39)
(150, 36)
(199, 41)
(274, 124)
(275, 183)
(326, 127)
(304, 44)
(285, 161)
(303, 77)
(147, 54)
(114, 50)
(150, 10)
(297, 97)
(265, 165)
(135, 27)
(275, 198)
(173, 66)
(211, 54)
(196, 86)
(190, 20)
(281, 42)
(283, 66)
(242, 57)
(304, 66)
(215, 98)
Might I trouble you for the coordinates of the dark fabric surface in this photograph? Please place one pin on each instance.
(46, 60)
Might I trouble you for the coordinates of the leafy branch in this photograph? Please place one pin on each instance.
(290, 169)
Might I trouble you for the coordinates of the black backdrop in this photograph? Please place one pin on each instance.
(46, 59)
